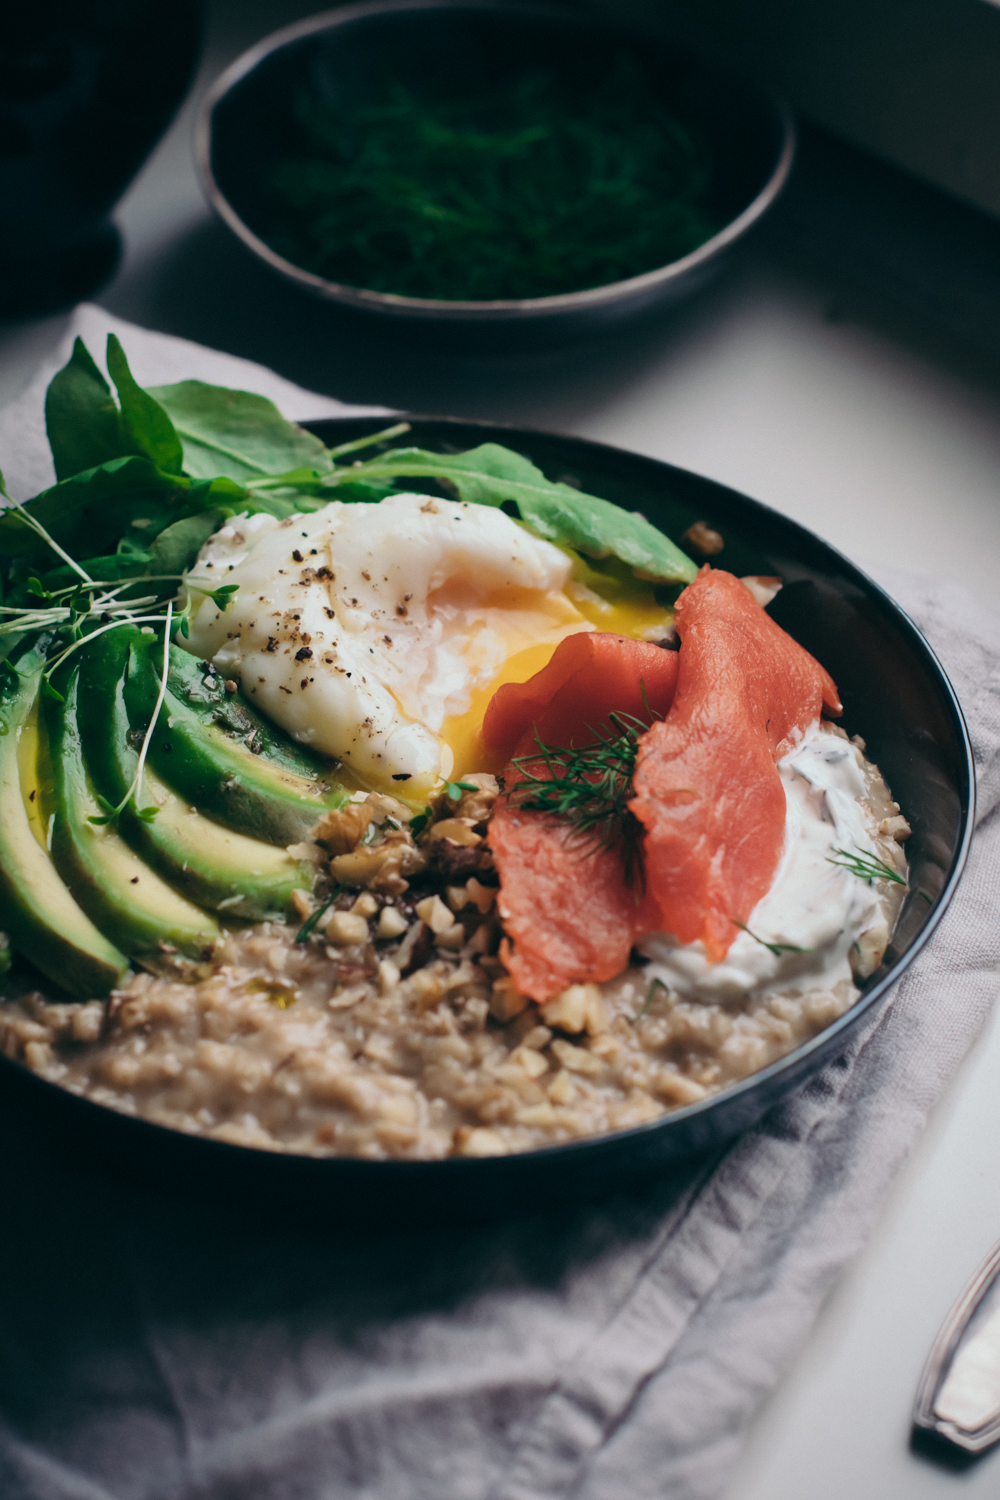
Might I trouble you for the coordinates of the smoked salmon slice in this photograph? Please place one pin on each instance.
(588, 677)
(707, 789)
(566, 906)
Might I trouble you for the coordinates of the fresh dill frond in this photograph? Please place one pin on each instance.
(776, 948)
(537, 183)
(589, 788)
(655, 989)
(866, 867)
(314, 918)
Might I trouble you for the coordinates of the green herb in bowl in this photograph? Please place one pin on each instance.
(533, 188)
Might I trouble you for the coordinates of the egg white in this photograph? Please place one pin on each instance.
(363, 629)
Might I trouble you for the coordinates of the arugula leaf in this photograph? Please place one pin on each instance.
(83, 423)
(492, 475)
(90, 511)
(178, 545)
(236, 433)
(369, 494)
(143, 416)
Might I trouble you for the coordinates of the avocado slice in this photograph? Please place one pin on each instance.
(215, 772)
(211, 865)
(36, 909)
(120, 893)
(199, 687)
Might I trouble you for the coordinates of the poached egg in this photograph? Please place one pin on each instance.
(377, 633)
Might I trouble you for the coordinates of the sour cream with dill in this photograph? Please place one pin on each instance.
(822, 925)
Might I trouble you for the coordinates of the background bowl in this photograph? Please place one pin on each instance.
(895, 694)
(247, 122)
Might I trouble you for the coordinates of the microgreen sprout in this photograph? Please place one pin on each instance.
(222, 596)
(420, 822)
(867, 867)
(454, 789)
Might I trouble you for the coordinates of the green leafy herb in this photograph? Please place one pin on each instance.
(522, 185)
(311, 922)
(222, 596)
(89, 511)
(867, 867)
(493, 475)
(178, 545)
(589, 788)
(454, 789)
(110, 814)
(148, 424)
(420, 822)
(776, 948)
(652, 994)
(84, 425)
(236, 433)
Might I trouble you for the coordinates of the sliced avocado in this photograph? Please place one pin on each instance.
(120, 893)
(212, 770)
(36, 909)
(199, 687)
(211, 865)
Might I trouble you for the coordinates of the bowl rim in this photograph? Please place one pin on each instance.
(427, 307)
(794, 1062)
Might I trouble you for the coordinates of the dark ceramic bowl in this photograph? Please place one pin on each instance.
(895, 694)
(247, 121)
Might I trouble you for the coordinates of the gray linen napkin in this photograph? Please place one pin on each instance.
(162, 1349)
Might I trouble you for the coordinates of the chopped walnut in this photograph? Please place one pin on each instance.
(381, 867)
(704, 539)
(477, 805)
(343, 830)
(458, 830)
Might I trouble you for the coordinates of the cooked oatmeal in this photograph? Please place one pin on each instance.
(394, 1030)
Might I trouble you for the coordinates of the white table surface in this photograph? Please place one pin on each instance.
(858, 424)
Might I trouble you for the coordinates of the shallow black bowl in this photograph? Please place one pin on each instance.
(895, 694)
(247, 121)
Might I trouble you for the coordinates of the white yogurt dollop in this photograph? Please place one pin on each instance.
(816, 911)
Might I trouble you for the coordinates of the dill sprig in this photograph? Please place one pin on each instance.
(589, 788)
(652, 994)
(534, 185)
(776, 948)
(866, 867)
(314, 918)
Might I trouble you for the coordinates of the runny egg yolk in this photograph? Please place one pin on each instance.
(604, 596)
